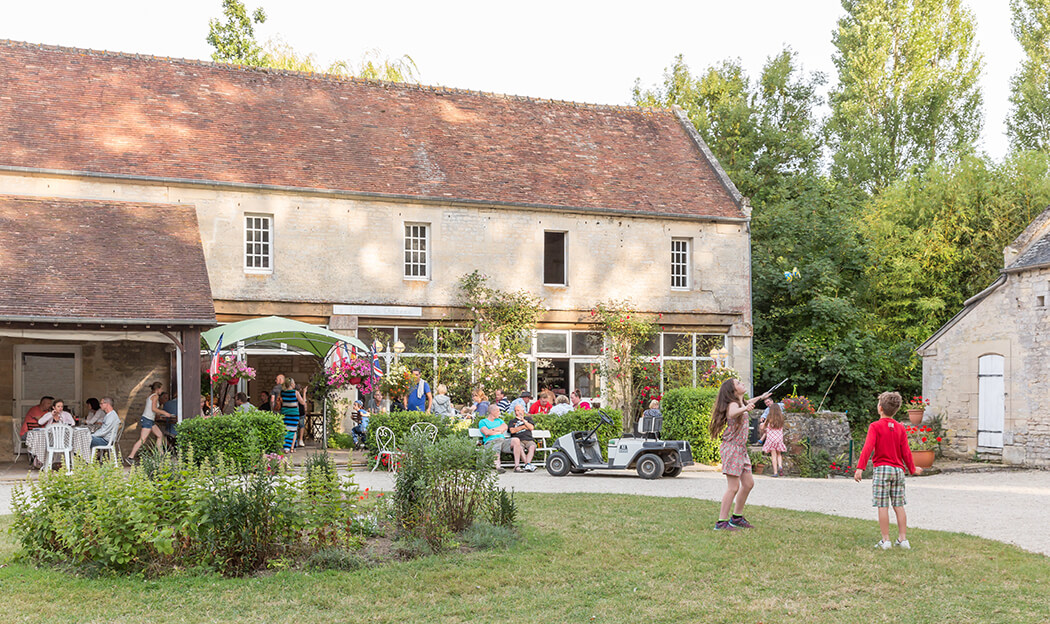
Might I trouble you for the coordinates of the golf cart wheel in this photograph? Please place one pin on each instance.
(558, 464)
(650, 466)
(577, 471)
(672, 471)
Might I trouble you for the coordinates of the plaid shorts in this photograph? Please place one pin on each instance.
(887, 487)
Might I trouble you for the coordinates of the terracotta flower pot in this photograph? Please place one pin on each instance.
(232, 382)
(355, 380)
(915, 416)
(758, 468)
(923, 459)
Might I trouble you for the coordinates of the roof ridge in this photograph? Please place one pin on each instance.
(337, 78)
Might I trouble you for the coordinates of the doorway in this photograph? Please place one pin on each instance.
(47, 370)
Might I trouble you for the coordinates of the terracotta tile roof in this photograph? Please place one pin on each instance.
(90, 111)
(68, 260)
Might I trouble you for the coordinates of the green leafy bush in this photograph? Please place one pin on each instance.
(581, 420)
(687, 414)
(241, 437)
(401, 423)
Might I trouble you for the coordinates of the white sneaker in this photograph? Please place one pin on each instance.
(884, 544)
(903, 544)
(529, 467)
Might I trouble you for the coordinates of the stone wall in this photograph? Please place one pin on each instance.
(1010, 322)
(123, 370)
(824, 430)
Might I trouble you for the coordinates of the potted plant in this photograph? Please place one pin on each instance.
(355, 371)
(916, 408)
(758, 462)
(794, 404)
(396, 381)
(923, 443)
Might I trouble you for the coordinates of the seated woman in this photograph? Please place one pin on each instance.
(93, 418)
(58, 414)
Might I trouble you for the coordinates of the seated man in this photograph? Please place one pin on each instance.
(522, 444)
(110, 423)
(33, 416)
(494, 434)
(241, 401)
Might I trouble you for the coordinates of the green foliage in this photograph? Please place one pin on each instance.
(624, 357)
(908, 93)
(687, 414)
(812, 464)
(241, 437)
(327, 504)
(1028, 124)
(234, 39)
(441, 488)
(485, 536)
(401, 424)
(335, 559)
(503, 511)
(341, 441)
(581, 420)
(503, 322)
(454, 372)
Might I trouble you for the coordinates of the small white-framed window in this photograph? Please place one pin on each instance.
(417, 251)
(258, 243)
(554, 259)
(680, 263)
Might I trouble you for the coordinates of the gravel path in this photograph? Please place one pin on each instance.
(1011, 507)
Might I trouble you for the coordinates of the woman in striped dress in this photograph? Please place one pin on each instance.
(290, 401)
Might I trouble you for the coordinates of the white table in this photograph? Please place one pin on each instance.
(36, 441)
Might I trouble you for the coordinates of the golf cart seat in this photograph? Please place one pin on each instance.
(650, 424)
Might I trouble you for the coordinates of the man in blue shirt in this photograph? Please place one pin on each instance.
(494, 434)
(419, 396)
(522, 400)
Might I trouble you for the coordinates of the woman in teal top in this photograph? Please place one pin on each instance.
(290, 401)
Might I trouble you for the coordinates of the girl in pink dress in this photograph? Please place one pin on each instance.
(773, 429)
(729, 419)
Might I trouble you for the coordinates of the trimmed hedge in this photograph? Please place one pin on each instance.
(401, 423)
(687, 414)
(241, 437)
(581, 420)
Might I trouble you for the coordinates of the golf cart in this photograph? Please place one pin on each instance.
(578, 451)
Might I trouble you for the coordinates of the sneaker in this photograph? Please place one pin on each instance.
(884, 544)
(903, 544)
(529, 467)
(741, 522)
(725, 525)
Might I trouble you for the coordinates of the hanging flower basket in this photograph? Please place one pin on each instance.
(350, 372)
(231, 370)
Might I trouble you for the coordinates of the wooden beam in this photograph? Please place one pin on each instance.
(190, 401)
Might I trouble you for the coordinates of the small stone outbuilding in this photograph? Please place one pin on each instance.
(987, 371)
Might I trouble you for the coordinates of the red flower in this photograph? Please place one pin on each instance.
(938, 438)
(923, 438)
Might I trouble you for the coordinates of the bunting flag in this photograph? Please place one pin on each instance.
(213, 370)
(376, 371)
(340, 348)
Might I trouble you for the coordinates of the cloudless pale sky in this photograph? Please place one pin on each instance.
(585, 51)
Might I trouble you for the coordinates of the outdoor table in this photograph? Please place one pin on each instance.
(36, 441)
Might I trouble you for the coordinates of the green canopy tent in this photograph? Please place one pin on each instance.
(281, 332)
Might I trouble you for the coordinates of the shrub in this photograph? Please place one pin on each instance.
(687, 414)
(581, 420)
(327, 504)
(441, 488)
(241, 437)
(503, 512)
(401, 423)
(483, 536)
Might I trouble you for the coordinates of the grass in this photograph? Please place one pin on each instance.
(592, 558)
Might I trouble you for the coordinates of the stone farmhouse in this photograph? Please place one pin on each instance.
(988, 369)
(351, 204)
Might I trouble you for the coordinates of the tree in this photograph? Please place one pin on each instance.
(1028, 124)
(908, 91)
(234, 40)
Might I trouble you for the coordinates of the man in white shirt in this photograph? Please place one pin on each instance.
(110, 424)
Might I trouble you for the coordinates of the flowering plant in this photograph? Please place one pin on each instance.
(922, 438)
(230, 370)
(397, 381)
(715, 376)
(275, 463)
(798, 404)
(917, 403)
(350, 372)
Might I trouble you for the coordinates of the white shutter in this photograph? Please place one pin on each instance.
(991, 401)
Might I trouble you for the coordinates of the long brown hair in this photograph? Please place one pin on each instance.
(720, 413)
(775, 420)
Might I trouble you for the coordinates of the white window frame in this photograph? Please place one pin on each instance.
(564, 255)
(684, 264)
(425, 251)
(249, 229)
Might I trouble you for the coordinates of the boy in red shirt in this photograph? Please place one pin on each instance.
(887, 445)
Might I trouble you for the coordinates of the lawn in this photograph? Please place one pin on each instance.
(593, 558)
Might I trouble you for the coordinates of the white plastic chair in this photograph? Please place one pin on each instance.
(59, 441)
(427, 429)
(387, 447)
(16, 440)
(111, 447)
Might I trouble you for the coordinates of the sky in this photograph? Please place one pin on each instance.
(575, 50)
